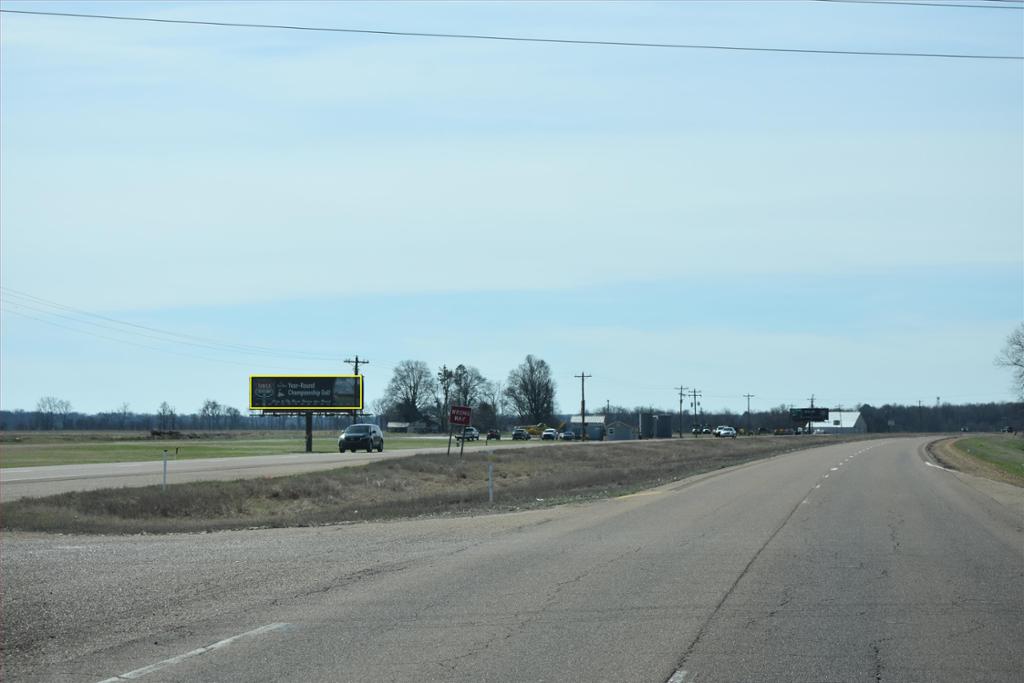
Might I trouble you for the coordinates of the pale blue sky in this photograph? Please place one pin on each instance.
(739, 222)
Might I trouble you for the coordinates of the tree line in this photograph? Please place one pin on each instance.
(57, 414)
(422, 397)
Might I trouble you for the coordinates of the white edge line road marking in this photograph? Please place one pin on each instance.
(678, 677)
(138, 673)
(938, 467)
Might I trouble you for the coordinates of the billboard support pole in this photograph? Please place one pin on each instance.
(309, 431)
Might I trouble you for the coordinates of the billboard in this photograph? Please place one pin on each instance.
(306, 392)
(809, 414)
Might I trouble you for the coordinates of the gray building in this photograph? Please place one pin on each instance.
(621, 431)
(595, 426)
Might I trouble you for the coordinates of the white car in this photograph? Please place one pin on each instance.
(725, 430)
(549, 434)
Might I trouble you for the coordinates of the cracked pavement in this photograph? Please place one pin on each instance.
(852, 562)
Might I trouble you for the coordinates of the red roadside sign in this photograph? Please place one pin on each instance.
(460, 415)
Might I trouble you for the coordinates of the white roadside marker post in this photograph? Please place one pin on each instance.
(490, 482)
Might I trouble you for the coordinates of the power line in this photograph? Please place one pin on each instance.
(907, 3)
(32, 302)
(517, 39)
(133, 343)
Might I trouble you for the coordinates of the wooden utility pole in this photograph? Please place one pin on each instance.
(583, 402)
(682, 391)
(355, 371)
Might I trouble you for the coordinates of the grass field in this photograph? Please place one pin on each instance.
(1004, 451)
(424, 484)
(33, 449)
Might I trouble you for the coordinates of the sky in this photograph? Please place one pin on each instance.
(182, 206)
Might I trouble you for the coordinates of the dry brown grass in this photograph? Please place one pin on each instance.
(423, 484)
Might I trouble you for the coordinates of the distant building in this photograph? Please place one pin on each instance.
(595, 426)
(840, 422)
(398, 427)
(620, 431)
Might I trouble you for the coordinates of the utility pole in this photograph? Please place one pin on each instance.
(583, 402)
(356, 362)
(748, 397)
(811, 399)
(355, 371)
(681, 394)
(694, 394)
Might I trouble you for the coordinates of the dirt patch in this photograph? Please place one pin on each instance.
(948, 455)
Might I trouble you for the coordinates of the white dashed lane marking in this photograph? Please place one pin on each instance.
(139, 673)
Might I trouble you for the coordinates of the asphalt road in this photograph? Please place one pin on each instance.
(852, 562)
(22, 482)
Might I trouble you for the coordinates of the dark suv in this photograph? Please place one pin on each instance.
(360, 436)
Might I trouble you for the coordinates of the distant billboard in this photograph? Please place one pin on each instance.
(809, 414)
(306, 392)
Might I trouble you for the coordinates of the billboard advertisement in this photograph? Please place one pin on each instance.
(306, 392)
(808, 414)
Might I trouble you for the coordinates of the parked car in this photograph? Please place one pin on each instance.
(470, 433)
(493, 434)
(549, 434)
(725, 431)
(567, 435)
(359, 436)
(520, 434)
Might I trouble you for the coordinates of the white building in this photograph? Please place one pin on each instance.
(840, 422)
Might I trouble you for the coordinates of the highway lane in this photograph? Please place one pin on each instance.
(22, 482)
(853, 562)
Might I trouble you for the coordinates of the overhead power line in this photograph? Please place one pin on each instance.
(25, 301)
(910, 3)
(516, 39)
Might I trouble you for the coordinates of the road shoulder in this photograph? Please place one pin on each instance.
(981, 476)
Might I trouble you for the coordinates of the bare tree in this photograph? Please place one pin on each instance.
(442, 395)
(495, 394)
(531, 390)
(63, 411)
(1012, 356)
(52, 412)
(468, 386)
(210, 412)
(234, 416)
(410, 390)
(165, 416)
(123, 413)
